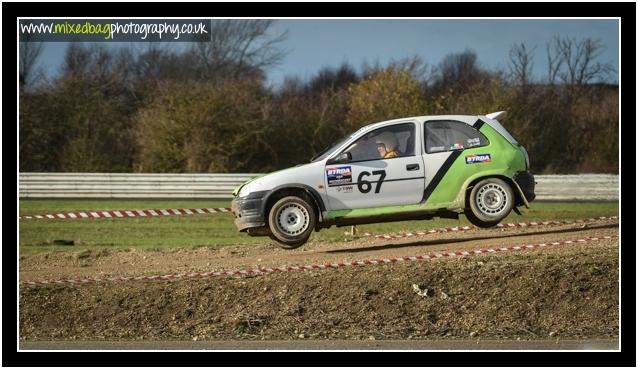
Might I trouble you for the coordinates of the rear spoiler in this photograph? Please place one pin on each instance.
(495, 115)
(499, 127)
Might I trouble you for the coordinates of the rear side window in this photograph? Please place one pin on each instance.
(448, 135)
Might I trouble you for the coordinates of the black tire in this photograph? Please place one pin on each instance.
(291, 220)
(491, 200)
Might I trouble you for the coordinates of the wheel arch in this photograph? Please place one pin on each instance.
(518, 195)
(294, 189)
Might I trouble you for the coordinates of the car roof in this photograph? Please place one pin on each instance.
(421, 118)
(467, 119)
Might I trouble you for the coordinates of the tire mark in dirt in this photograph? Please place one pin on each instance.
(294, 268)
(444, 241)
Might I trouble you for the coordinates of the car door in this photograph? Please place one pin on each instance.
(370, 180)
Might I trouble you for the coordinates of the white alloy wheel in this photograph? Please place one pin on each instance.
(292, 219)
(490, 200)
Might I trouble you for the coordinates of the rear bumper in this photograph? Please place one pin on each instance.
(525, 180)
(248, 211)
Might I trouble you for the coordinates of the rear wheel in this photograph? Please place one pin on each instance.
(491, 200)
(291, 221)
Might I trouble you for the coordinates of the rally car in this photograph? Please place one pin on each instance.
(402, 169)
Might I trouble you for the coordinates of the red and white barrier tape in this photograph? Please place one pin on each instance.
(126, 213)
(267, 270)
(467, 228)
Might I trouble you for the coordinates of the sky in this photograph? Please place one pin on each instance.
(313, 44)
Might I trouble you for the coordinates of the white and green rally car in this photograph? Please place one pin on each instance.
(402, 169)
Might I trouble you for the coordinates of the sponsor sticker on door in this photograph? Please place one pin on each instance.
(478, 158)
(345, 189)
(339, 175)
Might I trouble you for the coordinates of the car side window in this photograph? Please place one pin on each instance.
(449, 135)
(384, 143)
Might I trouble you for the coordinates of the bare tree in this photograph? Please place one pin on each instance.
(93, 61)
(29, 53)
(554, 62)
(76, 59)
(239, 46)
(521, 63)
(149, 59)
(332, 79)
(575, 61)
(414, 65)
(460, 69)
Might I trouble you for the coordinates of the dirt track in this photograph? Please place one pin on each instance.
(136, 263)
(565, 291)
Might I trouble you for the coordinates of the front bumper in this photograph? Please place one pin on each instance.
(248, 210)
(525, 180)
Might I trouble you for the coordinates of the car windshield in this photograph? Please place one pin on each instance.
(328, 150)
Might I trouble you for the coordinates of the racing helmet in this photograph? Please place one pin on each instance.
(389, 140)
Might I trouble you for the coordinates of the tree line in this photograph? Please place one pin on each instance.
(207, 108)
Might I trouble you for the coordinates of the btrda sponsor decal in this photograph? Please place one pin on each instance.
(339, 175)
(478, 158)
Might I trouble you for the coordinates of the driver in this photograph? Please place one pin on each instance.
(387, 145)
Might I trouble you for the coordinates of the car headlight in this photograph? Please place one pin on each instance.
(244, 191)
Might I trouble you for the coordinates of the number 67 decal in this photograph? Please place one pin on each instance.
(365, 186)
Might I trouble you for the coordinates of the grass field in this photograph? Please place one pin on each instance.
(213, 229)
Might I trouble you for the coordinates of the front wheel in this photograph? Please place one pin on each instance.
(291, 221)
(491, 200)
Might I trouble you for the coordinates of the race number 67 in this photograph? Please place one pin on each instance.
(365, 186)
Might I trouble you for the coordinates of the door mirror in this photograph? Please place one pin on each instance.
(342, 158)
